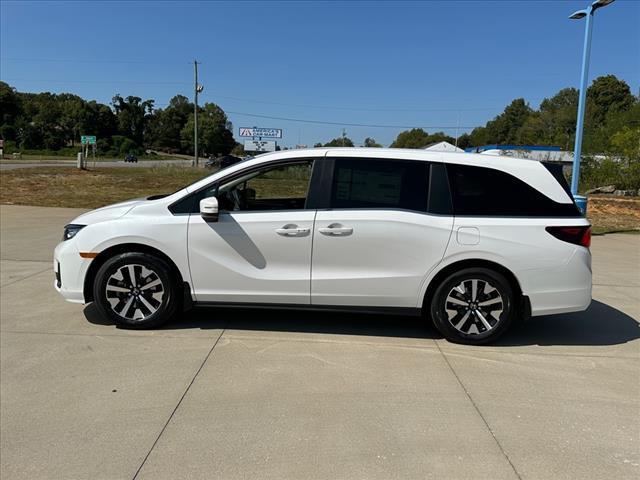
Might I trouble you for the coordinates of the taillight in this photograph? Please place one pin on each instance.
(576, 235)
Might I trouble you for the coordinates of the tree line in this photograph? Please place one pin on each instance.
(612, 123)
(54, 122)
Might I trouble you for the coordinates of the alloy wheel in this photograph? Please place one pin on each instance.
(474, 306)
(135, 292)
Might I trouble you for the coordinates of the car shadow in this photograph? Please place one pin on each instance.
(600, 325)
(290, 320)
(229, 230)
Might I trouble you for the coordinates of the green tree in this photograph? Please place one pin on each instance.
(339, 142)
(418, 138)
(132, 115)
(626, 143)
(103, 121)
(371, 143)
(464, 141)
(504, 128)
(10, 107)
(215, 135)
(414, 138)
(75, 118)
(607, 94)
(165, 126)
(238, 150)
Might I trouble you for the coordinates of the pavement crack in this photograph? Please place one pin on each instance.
(101, 335)
(24, 260)
(25, 278)
(455, 374)
(175, 409)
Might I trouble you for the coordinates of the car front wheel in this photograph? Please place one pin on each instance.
(473, 306)
(136, 290)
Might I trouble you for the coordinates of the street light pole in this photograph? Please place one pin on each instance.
(586, 52)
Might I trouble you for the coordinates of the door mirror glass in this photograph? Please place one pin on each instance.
(209, 209)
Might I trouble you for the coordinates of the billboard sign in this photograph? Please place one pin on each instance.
(260, 145)
(261, 132)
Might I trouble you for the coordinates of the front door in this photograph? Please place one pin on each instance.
(377, 242)
(260, 249)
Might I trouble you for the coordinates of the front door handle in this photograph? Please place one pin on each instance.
(336, 230)
(292, 230)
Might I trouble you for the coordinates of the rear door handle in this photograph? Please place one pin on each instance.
(291, 230)
(336, 230)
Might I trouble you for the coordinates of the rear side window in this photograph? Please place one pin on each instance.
(480, 191)
(372, 183)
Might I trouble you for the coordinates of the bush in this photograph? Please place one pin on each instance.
(624, 174)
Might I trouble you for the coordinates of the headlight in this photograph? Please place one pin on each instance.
(71, 230)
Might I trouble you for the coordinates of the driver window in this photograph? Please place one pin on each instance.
(281, 187)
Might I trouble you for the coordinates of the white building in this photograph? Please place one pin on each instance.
(533, 152)
(443, 147)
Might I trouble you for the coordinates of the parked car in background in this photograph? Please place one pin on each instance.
(131, 158)
(222, 162)
(472, 242)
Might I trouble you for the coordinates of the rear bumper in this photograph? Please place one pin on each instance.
(562, 289)
(69, 271)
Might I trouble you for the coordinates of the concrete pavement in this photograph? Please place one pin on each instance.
(255, 394)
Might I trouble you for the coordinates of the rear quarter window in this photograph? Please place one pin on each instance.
(480, 191)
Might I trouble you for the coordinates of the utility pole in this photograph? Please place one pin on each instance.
(196, 90)
(344, 135)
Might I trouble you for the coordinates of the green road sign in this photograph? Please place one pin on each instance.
(88, 139)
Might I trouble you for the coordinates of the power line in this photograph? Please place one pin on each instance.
(364, 109)
(69, 60)
(265, 102)
(347, 124)
(40, 80)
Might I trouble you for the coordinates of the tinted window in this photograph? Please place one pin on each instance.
(439, 195)
(489, 192)
(369, 183)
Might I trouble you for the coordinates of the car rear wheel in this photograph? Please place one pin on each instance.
(136, 290)
(473, 306)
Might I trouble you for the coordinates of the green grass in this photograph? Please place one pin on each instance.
(28, 158)
(92, 188)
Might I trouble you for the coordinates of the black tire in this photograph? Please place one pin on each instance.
(463, 319)
(142, 306)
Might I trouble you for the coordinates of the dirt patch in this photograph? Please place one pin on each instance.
(609, 213)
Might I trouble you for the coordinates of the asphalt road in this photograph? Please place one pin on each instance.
(101, 164)
(230, 394)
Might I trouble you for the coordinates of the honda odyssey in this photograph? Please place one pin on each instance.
(472, 242)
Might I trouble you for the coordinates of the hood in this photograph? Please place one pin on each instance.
(107, 213)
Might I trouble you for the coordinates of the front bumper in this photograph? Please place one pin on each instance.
(69, 271)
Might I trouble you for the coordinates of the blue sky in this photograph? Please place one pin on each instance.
(427, 64)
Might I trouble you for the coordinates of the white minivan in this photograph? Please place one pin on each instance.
(472, 242)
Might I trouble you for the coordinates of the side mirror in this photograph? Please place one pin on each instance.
(209, 209)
